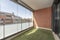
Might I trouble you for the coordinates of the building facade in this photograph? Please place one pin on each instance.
(7, 18)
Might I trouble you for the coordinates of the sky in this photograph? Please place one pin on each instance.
(11, 7)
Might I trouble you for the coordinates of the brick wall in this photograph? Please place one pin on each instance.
(42, 18)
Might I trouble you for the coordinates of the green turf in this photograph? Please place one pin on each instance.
(35, 34)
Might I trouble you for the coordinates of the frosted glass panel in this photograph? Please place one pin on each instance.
(19, 27)
(1, 31)
(10, 29)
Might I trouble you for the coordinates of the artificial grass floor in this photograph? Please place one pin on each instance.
(35, 34)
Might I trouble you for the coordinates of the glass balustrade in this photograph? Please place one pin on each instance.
(13, 18)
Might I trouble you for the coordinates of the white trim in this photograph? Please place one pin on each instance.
(55, 36)
(44, 28)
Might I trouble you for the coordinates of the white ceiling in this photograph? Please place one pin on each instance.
(38, 4)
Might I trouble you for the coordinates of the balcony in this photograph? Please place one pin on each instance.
(35, 34)
(29, 20)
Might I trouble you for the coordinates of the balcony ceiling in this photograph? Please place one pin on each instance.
(38, 4)
(34, 4)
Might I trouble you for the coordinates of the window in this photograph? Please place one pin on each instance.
(15, 18)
